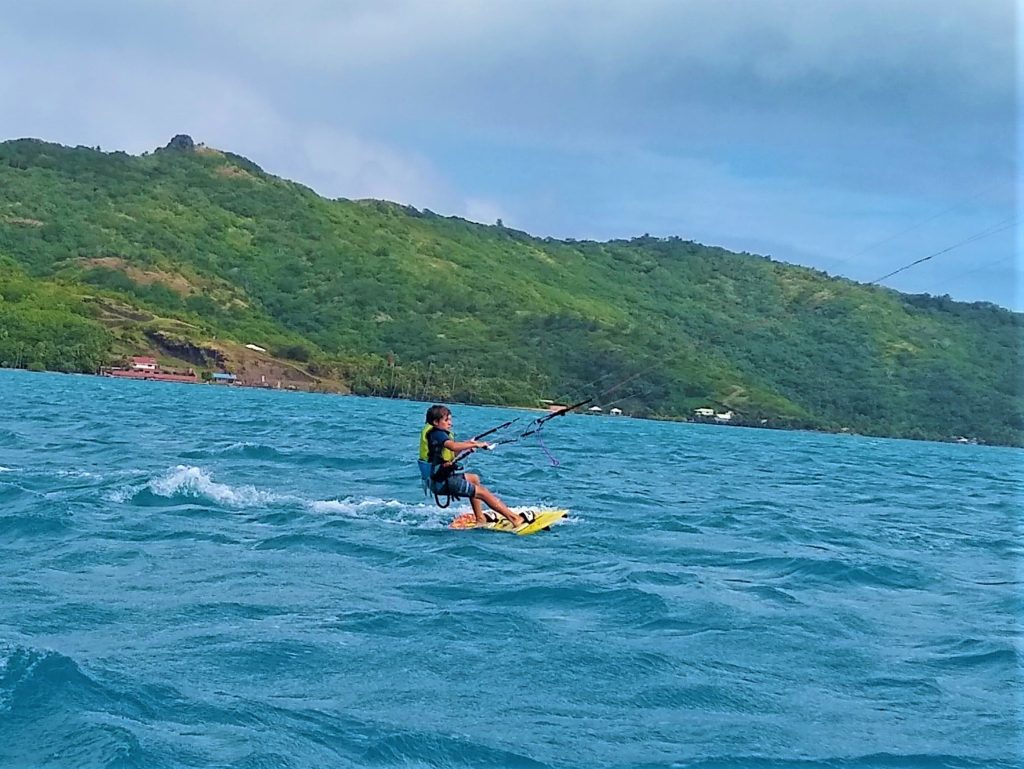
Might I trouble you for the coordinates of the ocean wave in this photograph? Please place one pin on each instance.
(611, 604)
(387, 511)
(833, 571)
(46, 699)
(29, 676)
(303, 542)
(415, 749)
(13, 525)
(266, 452)
(188, 482)
(12, 492)
(705, 698)
(358, 507)
(10, 438)
(664, 576)
(246, 449)
(971, 652)
(79, 474)
(874, 761)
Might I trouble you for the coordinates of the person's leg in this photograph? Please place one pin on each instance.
(492, 501)
(478, 510)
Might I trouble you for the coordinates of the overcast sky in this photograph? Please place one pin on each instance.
(855, 136)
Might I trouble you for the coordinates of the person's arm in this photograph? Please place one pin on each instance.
(459, 446)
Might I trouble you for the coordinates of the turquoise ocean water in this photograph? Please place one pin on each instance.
(204, 577)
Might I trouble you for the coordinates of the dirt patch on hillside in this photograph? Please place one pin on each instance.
(252, 368)
(176, 282)
(205, 355)
(257, 369)
(234, 172)
(112, 312)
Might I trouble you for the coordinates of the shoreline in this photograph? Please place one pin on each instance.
(955, 440)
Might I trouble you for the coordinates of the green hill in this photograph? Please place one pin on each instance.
(192, 253)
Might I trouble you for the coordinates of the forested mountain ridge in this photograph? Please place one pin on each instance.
(192, 252)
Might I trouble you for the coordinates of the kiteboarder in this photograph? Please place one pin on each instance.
(445, 478)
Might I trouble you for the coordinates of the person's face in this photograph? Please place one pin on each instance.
(445, 422)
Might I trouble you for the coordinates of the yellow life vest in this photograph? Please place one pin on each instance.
(447, 455)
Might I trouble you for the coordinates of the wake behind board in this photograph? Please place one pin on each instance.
(543, 520)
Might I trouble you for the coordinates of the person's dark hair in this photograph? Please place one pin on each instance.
(437, 412)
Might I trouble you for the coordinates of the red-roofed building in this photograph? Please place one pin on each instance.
(146, 367)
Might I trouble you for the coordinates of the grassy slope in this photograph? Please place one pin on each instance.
(212, 246)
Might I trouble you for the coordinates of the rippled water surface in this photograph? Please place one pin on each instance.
(204, 577)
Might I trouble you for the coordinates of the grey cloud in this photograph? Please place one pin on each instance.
(799, 119)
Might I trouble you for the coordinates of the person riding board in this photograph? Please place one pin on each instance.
(438, 448)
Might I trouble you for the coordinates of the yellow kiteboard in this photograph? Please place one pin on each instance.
(542, 520)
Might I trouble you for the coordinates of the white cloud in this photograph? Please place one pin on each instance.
(486, 212)
(341, 164)
(129, 102)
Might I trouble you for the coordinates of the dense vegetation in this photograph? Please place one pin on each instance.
(100, 251)
(44, 326)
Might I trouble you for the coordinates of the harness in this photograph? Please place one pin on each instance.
(436, 464)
